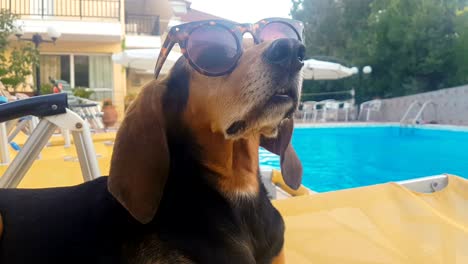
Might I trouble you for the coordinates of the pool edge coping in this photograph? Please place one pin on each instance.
(387, 124)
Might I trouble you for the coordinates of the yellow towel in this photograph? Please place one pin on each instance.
(378, 224)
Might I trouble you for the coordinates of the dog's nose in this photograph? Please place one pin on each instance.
(286, 53)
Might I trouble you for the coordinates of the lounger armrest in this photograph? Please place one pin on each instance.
(40, 106)
(83, 105)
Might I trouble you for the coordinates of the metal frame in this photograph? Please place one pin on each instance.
(108, 9)
(4, 153)
(422, 107)
(427, 184)
(90, 113)
(410, 107)
(18, 127)
(39, 139)
(421, 111)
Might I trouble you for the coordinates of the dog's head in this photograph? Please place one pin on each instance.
(230, 117)
(262, 91)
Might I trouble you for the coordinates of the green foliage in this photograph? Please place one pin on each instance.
(461, 48)
(23, 57)
(18, 66)
(82, 92)
(6, 27)
(47, 88)
(412, 45)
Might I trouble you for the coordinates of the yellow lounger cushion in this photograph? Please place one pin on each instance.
(378, 224)
(277, 179)
(58, 140)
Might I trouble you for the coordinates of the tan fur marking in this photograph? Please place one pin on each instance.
(280, 259)
(215, 103)
(235, 161)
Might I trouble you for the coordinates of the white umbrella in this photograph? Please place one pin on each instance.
(144, 59)
(324, 70)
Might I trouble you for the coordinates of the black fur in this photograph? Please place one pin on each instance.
(194, 223)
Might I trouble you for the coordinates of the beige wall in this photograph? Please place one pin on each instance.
(451, 107)
(81, 47)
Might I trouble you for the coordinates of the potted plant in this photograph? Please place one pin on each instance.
(110, 115)
(83, 92)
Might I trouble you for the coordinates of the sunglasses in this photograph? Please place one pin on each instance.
(213, 47)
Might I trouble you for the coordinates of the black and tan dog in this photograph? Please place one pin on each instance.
(184, 183)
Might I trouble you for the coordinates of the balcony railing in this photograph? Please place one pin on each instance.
(43, 9)
(142, 24)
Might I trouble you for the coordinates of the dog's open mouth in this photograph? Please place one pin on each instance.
(280, 105)
(282, 96)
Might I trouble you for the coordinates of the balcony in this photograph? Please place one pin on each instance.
(142, 25)
(77, 20)
(72, 9)
(142, 31)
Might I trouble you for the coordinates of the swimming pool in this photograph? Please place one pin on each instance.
(344, 157)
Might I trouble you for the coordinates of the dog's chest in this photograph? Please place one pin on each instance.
(248, 232)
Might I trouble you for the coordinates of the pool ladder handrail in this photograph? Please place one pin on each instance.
(404, 119)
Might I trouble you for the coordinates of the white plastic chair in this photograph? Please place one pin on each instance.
(369, 107)
(308, 108)
(330, 108)
(347, 107)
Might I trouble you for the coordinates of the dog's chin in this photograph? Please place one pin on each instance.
(264, 121)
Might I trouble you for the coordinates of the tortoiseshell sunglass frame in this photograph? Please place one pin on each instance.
(181, 33)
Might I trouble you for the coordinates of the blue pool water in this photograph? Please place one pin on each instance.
(344, 157)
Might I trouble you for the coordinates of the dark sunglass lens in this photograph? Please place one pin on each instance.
(213, 49)
(276, 30)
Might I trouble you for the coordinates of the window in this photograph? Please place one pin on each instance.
(88, 71)
(56, 67)
(100, 71)
(81, 71)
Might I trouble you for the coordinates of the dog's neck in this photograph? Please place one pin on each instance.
(235, 162)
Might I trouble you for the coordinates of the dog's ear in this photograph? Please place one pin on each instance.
(140, 161)
(291, 166)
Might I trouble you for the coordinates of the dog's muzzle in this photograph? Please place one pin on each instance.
(286, 54)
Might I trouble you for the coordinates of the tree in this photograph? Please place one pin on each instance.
(21, 58)
(412, 45)
(461, 48)
(334, 31)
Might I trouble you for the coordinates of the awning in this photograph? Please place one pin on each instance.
(324, 70)
(144, 59)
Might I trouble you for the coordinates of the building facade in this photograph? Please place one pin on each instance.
(91, 32)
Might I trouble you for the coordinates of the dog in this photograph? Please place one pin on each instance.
(184, 183)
